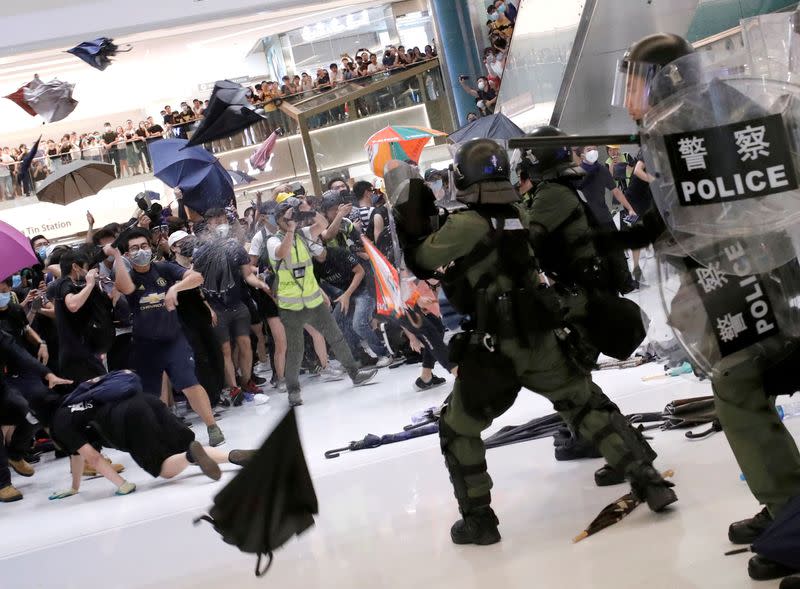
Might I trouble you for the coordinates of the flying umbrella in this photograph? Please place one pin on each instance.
(387, 282)
(203, 181)
(497, 126)
(240, 177)
(147, 194)
(98, 52)
(26, 162)
(18, 98)
(50, 100)
(260, 156)
(397, 143)
(614, 513)
(270, 500)
(17, 251)
(75, 181)
(228, 112)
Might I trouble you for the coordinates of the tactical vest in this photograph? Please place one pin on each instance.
(297, 286)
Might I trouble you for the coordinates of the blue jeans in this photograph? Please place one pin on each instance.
(356, 324)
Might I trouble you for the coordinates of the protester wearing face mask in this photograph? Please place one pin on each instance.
(485, 96)
(226, 269)
(498, 23)
(593, 186)
(159, 345)
(494, 62)
(507, 9)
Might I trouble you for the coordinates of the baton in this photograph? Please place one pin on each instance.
(572, 141)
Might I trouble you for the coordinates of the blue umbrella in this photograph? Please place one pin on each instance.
(497, 126)
(240, 177)
(25, 164)
(203, 181)
(97, 53)
(781, 541)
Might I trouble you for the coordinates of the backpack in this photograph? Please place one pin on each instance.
(109, 388)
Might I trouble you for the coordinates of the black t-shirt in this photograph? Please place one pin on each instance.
(638, 193)
(14, 322)
(109, 137)
(156, 130)
(70, 425)
(151, 320)
(168, 119)
(70, 326)
(337, 269)
(224, 283)
(594, 186)
(192, 309)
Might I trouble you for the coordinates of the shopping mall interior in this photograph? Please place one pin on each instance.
(193, 126)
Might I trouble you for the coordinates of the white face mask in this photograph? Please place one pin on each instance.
(591, 156)
(481, 85)
(223, 230)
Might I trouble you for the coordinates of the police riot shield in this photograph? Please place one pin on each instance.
(723, 150)
(772, 43)
(723, 319)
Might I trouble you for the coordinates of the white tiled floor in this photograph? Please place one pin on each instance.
(385, 513)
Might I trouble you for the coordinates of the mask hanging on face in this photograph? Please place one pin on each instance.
(142, 258)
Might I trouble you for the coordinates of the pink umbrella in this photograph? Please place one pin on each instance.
(17, 251)
(260, 158)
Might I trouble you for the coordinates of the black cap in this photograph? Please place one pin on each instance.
(480, 160)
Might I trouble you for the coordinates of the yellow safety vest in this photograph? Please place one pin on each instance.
(295, 294)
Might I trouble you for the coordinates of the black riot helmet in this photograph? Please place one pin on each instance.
(547, 159)
(480, 160)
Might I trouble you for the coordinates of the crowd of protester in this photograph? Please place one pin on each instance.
(126, 146)
(214, 311)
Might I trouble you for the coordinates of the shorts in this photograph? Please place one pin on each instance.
(232, 322)
(151, 358)
(267, 308)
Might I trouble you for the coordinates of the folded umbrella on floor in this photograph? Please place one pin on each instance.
(271, 500)
(204, 183)
(227, 113)
(75, 181)
(373, 441)
(541, 427)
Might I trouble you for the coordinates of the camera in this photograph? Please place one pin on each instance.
(151, 209)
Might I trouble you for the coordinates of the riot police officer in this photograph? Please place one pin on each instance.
(745, 379)
(513, 339)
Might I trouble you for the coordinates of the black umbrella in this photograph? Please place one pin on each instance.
(26, 162)
(240, 177)
(228, 112)
(497, 126)
(270, 500)
(75, 181)
(98, 52)
(781, 541)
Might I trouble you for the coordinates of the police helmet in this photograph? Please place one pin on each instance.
(480, 160)
(549, 158)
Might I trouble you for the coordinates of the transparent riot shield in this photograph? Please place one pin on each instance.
(772, 44)
(723, 151)
(724, 319)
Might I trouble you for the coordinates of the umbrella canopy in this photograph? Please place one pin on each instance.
(240, 177)
(203, 181)
(75, 181)
(50, 100)
(97, 53)
(497, 126)
(261, 155)
(387, 282)
(228, 112)
(17, 251)
(270, 500)
(397, 143)
(781, 541)
(26, 162)
(18, 98)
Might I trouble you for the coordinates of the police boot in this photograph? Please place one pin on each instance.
(648, 485)
(747, 531)
(479, 526)
(609, 476)
(569, 446)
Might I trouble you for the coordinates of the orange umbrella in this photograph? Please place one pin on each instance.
(397, 143)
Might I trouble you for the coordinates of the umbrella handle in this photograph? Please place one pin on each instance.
(260, 573)
(336, 452)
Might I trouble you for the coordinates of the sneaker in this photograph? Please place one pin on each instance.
(383, 362)
(261, 368)
(252, 388)
(21, 467)
(280, 385)
(478, 527)
(237, 397)
(256, 379)
(88, 471)
(748, 531)
(225, 398)
(241, 457)
(330, 374)
(204, 461)
(295, 399)
(434, 382)
(215, 436)
(363, 376)
(9, 494)
(126, 488)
